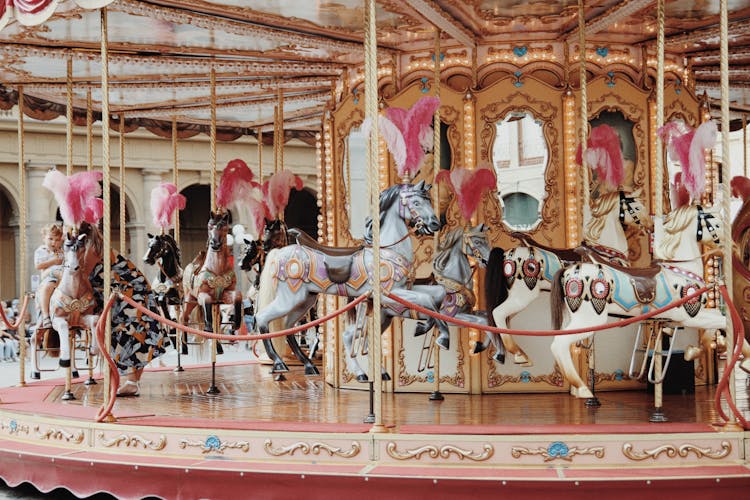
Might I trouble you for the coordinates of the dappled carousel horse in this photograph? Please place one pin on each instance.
(454, 281)
(585, 294)
(72, 304)
(514, 280)
(212, 281)
(167, 285)
(294, 276)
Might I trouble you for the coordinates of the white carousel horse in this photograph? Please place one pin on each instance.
(454, 280)
(516, 279)
(294, 276)
(585, 294)
(72, 303)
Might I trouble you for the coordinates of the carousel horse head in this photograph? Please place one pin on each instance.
(416, 208)
(74, 248)
(274, 235)
(251, 256)
(632, 210)
(218, 228)
(161, 247)
(477, 244)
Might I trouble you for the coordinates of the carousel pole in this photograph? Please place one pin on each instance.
(371, 112)
(69, 117)
(89, 131)
(259, 135)
(593, 401)
(436, 395)
(107, 223)
(744, 144)
(215, 316)
(658, 414)
(280, 144)
(123, 245)
(178, 334)
(726, 171)
(22, 234)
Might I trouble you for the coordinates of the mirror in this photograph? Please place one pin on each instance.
(355, 181)
(624, 128)
(520, 157)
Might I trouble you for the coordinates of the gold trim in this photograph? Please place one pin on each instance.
(133, 441)
(518, 451)
(315, 448)
(672, 451)
(209, 447)
(60, 435)
(443, 452)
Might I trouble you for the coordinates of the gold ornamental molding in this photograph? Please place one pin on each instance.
(315, 449)
(214, 444)
(672, 451)
(60, 435)
(557, 450)
(133, 441)
(444, 451)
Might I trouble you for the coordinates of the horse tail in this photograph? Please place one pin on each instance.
(556, 299)
(495, 283)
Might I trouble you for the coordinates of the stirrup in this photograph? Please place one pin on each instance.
(129, 388)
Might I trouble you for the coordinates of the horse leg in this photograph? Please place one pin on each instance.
(351, 358)
(187, 309)
(209, 323)
(310, 368)
(518, 299)
(424, 326)
(60, 324)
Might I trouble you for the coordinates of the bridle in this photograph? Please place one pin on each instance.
(627, 206)
(704, 220)
(405, 194)
(472, 248)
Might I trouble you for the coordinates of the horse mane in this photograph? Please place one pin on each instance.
(602, 206)
(442, 257)
(169, 239)
(93, 237)
(387, 198)
(674, 224)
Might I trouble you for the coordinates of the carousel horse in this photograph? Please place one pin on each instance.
(453, 280)
(212, 281)
(72, 304)
(164, 253)
(516, 279)
(294, 275)
(741, 260)
(585, 294)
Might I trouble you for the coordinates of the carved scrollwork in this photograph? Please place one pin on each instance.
(213, 443)
(444, 451)
(133, 441)
(60, 435)
(315, 449)
(672, 451)
(557, 450)
(14, 427)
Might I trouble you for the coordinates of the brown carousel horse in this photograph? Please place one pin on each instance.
(212, 280)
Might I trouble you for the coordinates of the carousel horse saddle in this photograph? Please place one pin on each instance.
(643, 279)
(564, 254)
(302, 238)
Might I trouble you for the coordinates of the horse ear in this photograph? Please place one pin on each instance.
(482, 228)
(150, 236)
(420, 185)
(247, 242)
(82, 237)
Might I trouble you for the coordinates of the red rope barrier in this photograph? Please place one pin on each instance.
(723, 388)
(546, 333)
(21, 314)
(114, 375)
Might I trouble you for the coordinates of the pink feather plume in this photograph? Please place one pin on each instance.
(276, 191)
(394, 140)
(688, 148)
(740, 187)
(604, 156)
(468, 186)
(413, 125)
(165, 200)
(77, 196)
(236, 180)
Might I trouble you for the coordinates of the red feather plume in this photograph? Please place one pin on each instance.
(604, 156)
(165, 200)
(468, 186)
(413, 124)
(276, 191)
(236, 179)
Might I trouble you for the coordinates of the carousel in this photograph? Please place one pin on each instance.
(544, 192)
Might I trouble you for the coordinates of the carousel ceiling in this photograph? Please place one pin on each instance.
(161, 52)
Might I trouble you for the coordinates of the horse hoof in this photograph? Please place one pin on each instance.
(443, 342)
(385, 376)
(420, 329)
(279, 377)
(311, 370)
(219, 349)
(362, 378)
(280, 367)
(521, 359)
(64, 363)
(692, 353)
(74, 374)
(479, 347)
(499, 357)
(36, 375)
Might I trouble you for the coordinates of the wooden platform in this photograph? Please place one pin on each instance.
(176, 441)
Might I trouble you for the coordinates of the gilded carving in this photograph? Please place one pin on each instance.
(213, 443)
(672, 451)
(495, 379)
(444, 452)
(60, 435)
(133, 441)
(14, 427)
(557, 450)
(315, 449)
